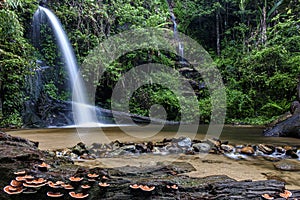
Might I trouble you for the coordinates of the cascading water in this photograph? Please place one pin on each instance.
(84, 114)
(180, 45)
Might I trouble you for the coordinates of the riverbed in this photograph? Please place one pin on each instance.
(253, 168)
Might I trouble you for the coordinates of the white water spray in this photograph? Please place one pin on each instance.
(83, 114)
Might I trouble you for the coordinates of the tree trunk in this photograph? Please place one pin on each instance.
(218, 32)
(264, 24)
(298, 88)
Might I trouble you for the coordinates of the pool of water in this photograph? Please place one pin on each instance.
(52, 138)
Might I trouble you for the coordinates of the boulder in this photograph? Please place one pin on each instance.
(287, 165)
(289, 127)
(202, 147)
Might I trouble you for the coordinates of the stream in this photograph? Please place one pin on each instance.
(254, 168)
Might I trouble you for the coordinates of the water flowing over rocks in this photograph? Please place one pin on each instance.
(34, 174)
(181, 145)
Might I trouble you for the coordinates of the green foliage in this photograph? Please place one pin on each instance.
(259, 59)
(15, 58)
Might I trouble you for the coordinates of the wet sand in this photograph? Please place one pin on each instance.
(205, 165)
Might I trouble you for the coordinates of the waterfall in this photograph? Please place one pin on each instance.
(180, 45)
(83, 113)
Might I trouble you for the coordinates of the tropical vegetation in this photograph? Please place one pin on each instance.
(254, 44)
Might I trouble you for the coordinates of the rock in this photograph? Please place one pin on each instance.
(227, 148)
(202, 147)
(184, 142)
(247, 150)
(247, 189)
(286, 128)
(214, 142)
(280, 149)
(288, 165)
(150, 146)
(174, 150)
(141, 148)
(267, 149)
(292, 153)
(79, 149)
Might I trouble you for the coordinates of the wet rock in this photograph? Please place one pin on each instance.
(150, 146)
(115, 145)
(214, 142)
(141, 148)
(267, 149)
(247, 150)
(96, 146)
(271, 158)
(287, 128)
(292, 153)
(288, 165)
(174, 150)
(184, 142)
(202, 147)
(227, 148)
(280, 150)
(79, 149)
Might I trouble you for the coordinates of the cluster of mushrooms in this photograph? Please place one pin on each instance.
(286, 194)
(28, 184)
(76, 187)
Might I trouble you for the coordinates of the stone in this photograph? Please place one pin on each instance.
(202, 147)
(227, 148)
(288, 165)
(184, 142)
(79, 149)
(247, 150)
(287, 128)
(267, 149)
(292, 153)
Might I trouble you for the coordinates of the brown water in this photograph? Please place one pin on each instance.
(252, 168)
(54, 138)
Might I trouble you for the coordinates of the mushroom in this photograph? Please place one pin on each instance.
(54, 194)
(104, 184)
(147, 188)
(286, 194)
(86, 186)
(75, 179)
(59, 182)
(174, 187)
(43, 167)
(267, 196)
(93, 175)
(16, 183)
(78, 195)
(67, 186)
(33, 185)
(12, 190)
(28, 177)
(134, 186)
(20, 173)
(20, 178)
(37, 181)
(104, 178)
(54, 185)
